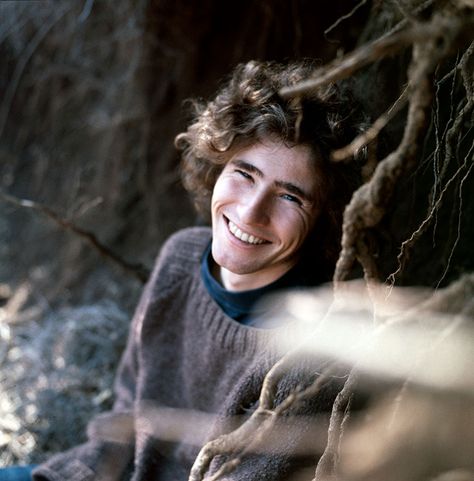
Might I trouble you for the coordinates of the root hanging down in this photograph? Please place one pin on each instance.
(369, 203)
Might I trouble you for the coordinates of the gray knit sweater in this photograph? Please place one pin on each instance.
(188, 374)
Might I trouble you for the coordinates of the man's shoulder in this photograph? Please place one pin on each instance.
(183, 250)
(190, 242)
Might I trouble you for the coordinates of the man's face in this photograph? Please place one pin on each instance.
(263, 207)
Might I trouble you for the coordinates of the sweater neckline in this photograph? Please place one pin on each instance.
(231, 334)
(244, 306)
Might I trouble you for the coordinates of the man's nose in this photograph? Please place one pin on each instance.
(255, 209)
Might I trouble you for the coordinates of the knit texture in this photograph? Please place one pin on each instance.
(188, 374)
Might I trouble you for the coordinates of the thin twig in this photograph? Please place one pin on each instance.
(458, 236)
(407, 244)
(372, 132)
(345, 17)
(461, 116)
(137, 270)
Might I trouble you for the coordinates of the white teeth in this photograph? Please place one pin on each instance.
(244, 236)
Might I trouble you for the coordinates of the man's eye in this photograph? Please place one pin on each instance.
(291, 198)
(243, 173)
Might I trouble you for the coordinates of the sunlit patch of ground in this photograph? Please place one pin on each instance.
(56, 371)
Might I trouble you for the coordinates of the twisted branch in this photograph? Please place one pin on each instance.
(251, 434)
(326, 468)
(365, 55)
(136, 270)
(367, 206)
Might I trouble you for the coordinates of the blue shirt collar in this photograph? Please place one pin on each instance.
(240, 305)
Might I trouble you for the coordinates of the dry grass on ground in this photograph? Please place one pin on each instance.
(56, 372)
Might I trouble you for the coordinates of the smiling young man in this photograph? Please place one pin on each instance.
(264, 205)
(198, 348)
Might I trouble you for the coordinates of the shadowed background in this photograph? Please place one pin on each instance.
(91, 98)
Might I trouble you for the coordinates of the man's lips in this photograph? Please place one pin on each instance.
(244, 236)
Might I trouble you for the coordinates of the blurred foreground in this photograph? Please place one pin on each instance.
(411, 350)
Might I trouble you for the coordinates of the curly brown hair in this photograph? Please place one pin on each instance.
(248, 109)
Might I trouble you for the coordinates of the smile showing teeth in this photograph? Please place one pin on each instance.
(243, 236)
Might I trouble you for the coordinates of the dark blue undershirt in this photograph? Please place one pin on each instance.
(241, 305)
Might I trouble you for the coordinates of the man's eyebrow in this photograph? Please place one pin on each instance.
(247, 166)
(289, 186)
(294, 189)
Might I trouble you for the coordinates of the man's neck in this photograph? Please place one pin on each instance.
(244, 282)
